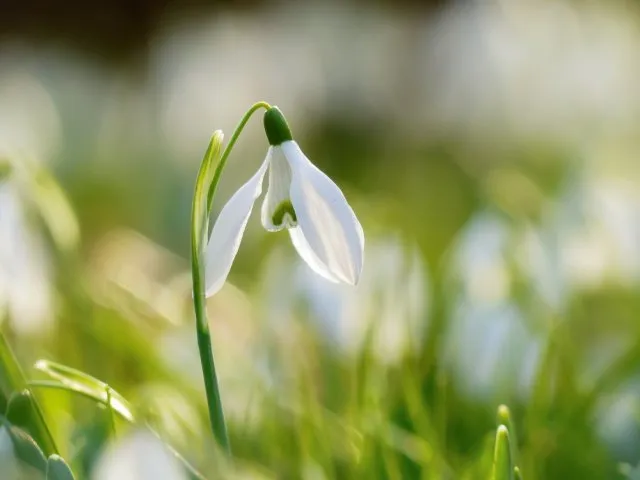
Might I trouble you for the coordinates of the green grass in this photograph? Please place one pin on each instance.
(119, 356)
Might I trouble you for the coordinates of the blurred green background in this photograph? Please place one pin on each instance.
(490, 152)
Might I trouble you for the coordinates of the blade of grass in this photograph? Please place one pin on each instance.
(57, 469)
(105, 398)
(12, 380)
(83, 383)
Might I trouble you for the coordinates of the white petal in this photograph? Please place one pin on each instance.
(138, 456)
(329, 225)
(226, 235)
(305, 251)
(277, 195)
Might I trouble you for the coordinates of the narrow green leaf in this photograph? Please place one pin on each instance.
(26, 450)
(13, 380)
(202, 198)
(483, 467)
(79, 382)
(212, 158)
(24, 412)
(502, 468)
(516, 474)
(99, 428)
(11, 376)
(20, 409)
(505, 418)
(57, 469)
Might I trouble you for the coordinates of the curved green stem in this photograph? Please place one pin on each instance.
(229, 147)
(206, 185)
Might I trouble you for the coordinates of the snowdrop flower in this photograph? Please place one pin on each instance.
(322, 226)
(138, 456)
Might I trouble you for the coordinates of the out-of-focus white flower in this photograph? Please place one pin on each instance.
(616, 418)
(479, 263)
(25, 290)
(491, 350)
(139, 456)
(589, 237)
(248, 53)
(322, 226)
(604, 242)
(388, 308)
(30, 125)
(30, 132)
(552, 70)
(488, 347)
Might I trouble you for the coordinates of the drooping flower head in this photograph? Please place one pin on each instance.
(300, 198)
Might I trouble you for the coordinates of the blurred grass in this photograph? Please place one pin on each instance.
(500, 270)
(308, 409)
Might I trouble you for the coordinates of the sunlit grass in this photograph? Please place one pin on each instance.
(317, 382)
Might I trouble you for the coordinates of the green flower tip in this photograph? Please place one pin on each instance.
(502, 433)
(276, 127)
(517, 475)
(217, 137)
(502, 467)
(504, 415)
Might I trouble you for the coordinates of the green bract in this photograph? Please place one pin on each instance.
(276, 127)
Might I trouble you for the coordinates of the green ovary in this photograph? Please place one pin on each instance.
(284, 208)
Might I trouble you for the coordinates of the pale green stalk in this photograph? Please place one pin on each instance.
(205, 188)
(502, 464)
(504, 418)
(225, 155)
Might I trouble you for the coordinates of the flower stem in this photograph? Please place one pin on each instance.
(206, 185)
(227, 151)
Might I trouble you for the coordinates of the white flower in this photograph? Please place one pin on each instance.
(322, 226)
(138, 456)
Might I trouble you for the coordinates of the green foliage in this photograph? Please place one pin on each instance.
(505, 454)
(301, 401)
(502, 466)
(26, 450)
(57, 469)
(516, 474)
(22, 408)
(79, 382)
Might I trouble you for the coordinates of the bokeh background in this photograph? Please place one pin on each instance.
(490, 152)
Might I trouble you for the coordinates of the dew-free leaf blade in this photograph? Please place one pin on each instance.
(11, 376)
(23, 412)
(84, 384)
(26, 450)
(505, 418)
(502, 468)
(12, 380)
(57, 469)
(517, 475)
